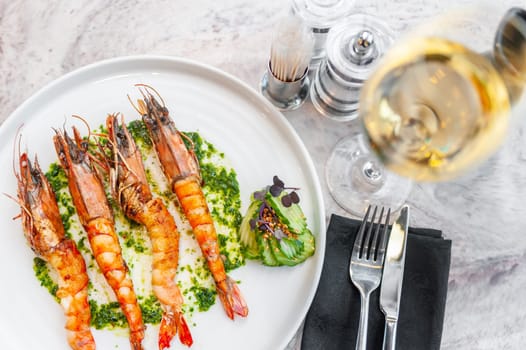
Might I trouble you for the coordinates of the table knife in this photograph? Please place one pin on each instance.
(392, 277)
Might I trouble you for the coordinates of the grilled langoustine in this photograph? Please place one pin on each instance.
(131, 190)
(45, 234)
(95, 215)
(181, 168)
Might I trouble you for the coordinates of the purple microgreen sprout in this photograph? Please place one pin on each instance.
(277, 181)
(286, 201)
(278, 186)
(294, 197)
(289, 199)
(261, 208)
(275, 190)
(264, 225)
(253, 224)
(260, 195)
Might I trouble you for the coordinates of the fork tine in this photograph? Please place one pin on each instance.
(356, 252)
(367, 243)
(385, 238)
(374, 244)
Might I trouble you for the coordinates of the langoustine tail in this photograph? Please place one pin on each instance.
(185, 337)
(196, 210)
(136, 340)
(82, 340)
(106, 249)
(231, 298)
(174, 323)
(73, 294)
(164, 235)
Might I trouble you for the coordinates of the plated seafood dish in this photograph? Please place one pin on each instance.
(144, 219)
(106, 167)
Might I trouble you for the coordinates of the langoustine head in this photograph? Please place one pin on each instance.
(85, 184)
(39, 210)
(127, 175)
(178, 162)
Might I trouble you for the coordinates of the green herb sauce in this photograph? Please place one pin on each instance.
(57, 177)
(131, 240)
(42, 272)
(107, 315)
(110, 315)
(224, 183)
(83, 247)
(222, 191)
(139, 132)
(153, 185)
(205, 297)
(151, 309)
(231, 261)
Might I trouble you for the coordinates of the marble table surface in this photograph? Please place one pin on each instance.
(484, 212)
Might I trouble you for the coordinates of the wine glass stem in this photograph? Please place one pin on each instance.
(372, 172)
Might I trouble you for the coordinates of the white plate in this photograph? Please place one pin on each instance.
(255, 137)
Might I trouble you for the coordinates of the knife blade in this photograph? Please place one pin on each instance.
(392, 277)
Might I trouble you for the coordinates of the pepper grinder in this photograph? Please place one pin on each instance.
(353, 49)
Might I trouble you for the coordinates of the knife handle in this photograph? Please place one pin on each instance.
(390, 334)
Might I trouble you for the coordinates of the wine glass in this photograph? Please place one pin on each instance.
(355, 177)
(439, 101)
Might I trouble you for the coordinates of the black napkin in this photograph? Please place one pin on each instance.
(332, 321)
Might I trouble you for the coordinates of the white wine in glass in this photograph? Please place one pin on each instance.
(434, 107)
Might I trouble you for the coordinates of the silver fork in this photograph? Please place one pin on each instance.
(367, 259)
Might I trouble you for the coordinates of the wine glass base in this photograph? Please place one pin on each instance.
(356, 178)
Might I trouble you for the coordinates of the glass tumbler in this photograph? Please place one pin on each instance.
(320, 16)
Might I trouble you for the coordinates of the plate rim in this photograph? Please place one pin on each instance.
(9, 125)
